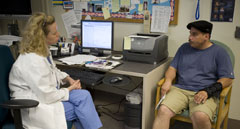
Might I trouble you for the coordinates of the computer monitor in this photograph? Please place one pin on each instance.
(97, 36)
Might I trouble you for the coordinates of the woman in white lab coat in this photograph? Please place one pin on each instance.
(35, 76)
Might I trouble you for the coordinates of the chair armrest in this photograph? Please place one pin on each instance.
(225, 91)
(160, 83)
(19, 103)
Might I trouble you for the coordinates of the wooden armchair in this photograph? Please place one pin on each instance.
(222, 111)
(224, 103)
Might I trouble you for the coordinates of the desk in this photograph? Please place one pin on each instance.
(150, 74)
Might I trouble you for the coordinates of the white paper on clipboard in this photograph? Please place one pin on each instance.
(160, 101)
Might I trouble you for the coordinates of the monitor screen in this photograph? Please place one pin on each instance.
(97, 35)
(16, 7)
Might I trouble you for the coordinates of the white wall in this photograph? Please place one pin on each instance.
(178, 34)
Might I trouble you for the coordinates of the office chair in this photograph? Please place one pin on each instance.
(224, 101)
(6, 120)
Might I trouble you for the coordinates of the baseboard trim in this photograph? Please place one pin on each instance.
(233, 123)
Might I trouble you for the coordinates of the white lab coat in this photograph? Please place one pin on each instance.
(33, 77)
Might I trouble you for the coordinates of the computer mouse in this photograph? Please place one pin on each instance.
(116, 79)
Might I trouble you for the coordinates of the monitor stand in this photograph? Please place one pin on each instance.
(97, 52)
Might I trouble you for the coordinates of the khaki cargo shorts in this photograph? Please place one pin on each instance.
(179, 100)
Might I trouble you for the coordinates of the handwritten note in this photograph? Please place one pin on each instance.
(106, 13)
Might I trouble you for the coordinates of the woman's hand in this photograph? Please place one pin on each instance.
(75, 85)
(69, 80)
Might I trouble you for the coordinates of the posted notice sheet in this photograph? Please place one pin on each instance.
(70, 18)
(160, 18)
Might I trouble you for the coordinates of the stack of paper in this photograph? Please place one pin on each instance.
(8, 39)
(103, 64)
(78, 59)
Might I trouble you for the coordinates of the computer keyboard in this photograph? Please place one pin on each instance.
(89, 78)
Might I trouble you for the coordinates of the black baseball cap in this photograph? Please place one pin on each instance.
(203, 26)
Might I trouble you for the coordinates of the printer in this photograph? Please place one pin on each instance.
(146, 48)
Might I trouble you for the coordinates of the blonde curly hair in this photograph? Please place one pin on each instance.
(34, 34)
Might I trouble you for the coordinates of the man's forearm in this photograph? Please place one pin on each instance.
(225, 82)
(170, 74)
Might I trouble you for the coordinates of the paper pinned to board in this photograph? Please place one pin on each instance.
(70, 18)
(115, 6)
(127, 43)
(106, 13)
(140, 7)
(160, 18)
(146, 21)
(160, 101)
(162, 1)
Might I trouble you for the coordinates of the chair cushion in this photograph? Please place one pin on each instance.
(185, 113)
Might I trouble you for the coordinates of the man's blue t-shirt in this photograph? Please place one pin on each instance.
(197, 69)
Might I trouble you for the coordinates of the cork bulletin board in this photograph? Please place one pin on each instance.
(124, 11)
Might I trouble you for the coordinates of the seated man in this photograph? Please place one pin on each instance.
(203, 69)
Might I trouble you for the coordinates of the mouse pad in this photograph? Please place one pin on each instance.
(125, 80)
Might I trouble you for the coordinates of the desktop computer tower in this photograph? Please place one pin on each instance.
(132, 115)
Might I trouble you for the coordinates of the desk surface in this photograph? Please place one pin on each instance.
(134, 68)
(127, 67)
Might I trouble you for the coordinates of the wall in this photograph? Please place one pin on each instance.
(178, 34)
(4, 23)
